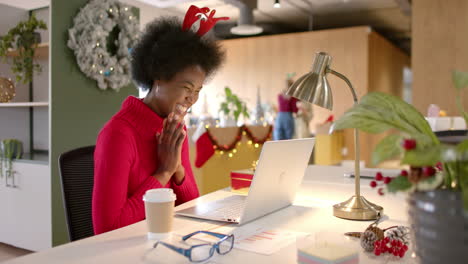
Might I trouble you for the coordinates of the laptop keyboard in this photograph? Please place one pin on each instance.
(231, 208)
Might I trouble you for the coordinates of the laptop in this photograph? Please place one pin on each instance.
(279, 174)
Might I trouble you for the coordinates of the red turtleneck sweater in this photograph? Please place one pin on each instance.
(124, 160)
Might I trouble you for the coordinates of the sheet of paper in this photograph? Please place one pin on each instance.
(250, 237)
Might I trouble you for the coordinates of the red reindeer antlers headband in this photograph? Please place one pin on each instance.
(207, 22)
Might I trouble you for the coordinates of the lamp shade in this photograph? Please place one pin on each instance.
(313, 87)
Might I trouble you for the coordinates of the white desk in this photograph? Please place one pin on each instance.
(312, 212)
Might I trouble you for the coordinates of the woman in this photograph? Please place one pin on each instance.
(144, 145)
(284, 124)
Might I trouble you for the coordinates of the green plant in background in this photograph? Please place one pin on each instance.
(233, 105)
(432, 164)
(10, 149)
(25, 39)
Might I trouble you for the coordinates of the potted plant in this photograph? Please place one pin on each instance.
(437, 178)
(231, 108)
(24, 39)
(10, 149)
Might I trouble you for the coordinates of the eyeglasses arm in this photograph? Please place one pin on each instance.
(218, 235)
(176, 249)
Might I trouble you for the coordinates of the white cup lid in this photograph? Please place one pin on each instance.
(159, 195)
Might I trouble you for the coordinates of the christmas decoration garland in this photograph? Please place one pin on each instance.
(107, 63)
(242, 130)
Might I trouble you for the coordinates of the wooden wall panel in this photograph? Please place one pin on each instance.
(265, 61)
(386, 64)
(439, 45)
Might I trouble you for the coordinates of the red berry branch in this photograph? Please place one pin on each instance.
(380, 180)
(408, 144)
(392, 246)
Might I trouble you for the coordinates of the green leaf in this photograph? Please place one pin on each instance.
(360, 118)
(224, 108)
(236, 115)
(450, 172)
(399, 183)
(378, 112)
(387, 148)
(462, 147)
(228, 91)
(233, 104)
(460, 79)
(419, 157)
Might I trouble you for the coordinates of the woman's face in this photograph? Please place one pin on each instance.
(179, 93)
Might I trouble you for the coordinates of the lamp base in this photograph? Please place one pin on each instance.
(357, 208)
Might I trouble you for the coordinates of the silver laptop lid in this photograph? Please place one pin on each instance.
(279, 173)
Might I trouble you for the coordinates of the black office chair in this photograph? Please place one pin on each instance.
(77, 175)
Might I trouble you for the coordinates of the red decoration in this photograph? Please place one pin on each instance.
(207, 22)
(192, 15)
(380, 191)
(378, 176)
(408, 144)
(428, 171)
(329, 119)
(228, 147)
(207, 144)
(392, 246)
(241, 179)
(203, 153)
(380, 181)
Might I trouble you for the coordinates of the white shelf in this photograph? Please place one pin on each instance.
(24, 104)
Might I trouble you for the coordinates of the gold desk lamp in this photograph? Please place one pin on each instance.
(313, 87)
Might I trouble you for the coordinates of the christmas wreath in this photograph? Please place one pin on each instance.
(102, 36)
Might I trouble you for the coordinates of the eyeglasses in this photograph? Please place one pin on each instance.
(202, 252)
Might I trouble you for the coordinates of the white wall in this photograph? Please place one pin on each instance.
(149, 12)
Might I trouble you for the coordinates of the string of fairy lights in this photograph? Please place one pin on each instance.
(231, 149)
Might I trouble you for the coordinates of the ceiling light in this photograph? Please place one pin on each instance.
(246, 30)
(277, 4)
(245, 24)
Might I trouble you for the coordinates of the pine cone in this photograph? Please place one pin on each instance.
(377, 231)
(367, 240)
(372, 234)
(415, 174)
(399, 233)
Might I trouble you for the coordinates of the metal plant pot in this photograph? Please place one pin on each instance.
(439, 227)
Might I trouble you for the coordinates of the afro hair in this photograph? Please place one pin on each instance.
(164, 49)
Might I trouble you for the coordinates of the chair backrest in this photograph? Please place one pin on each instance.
(77, 175)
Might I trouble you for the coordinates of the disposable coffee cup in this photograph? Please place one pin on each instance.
(159, 211)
